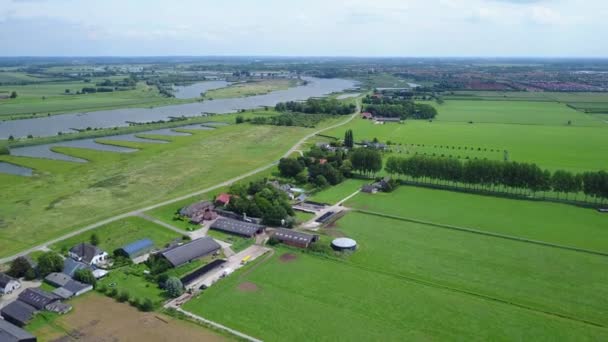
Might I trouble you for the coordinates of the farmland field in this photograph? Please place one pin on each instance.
(551, 147)
(62, 196)
(326, 300)
(561, 224)
(337, 193)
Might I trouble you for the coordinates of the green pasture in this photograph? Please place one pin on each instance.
(64, 196)
(250, 89)
(554, 223)
(120, 233)
(514, 112)
(551, 147)
(327, 300)
(339, 192)
(238, 243)
(540, 278)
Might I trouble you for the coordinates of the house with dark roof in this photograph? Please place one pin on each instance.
(37, 298)
(12, 333)
(18, 313)
(135, 249)
(70, 266)
(237, 227)
(195, 249)
(199, 212)
(57, 279)
(8, 284)
(369, 189)
(87, 253)
(294, 238)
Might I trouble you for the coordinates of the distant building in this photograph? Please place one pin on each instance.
(369, 189)
(199, 212)
(8, 284)
(236, 227)
(135, 249)
(294, 238)
(367, 115)
(87, 253)
(12, 333)
(385, 119)
(195, 249)
(223, 199)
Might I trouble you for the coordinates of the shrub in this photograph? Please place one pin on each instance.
(146, 305)
(123, 296)
(113, 293)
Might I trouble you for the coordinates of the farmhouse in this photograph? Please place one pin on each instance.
(241, 228)
(199, 212)
(222, 199)
(12, 333)
(294, 238)
(87, 253)
(8, 284)
(192, 250)
(18, 313)
(135, 249)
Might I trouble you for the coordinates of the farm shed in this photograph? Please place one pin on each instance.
(236, 227)
(58, 279)
(135, 249)
(191, 277)
(294, 238)
(77, 288)
(199, 212)
(70, 266)
(192, 250)
(37, 298)
(12, 333)
(18, 313)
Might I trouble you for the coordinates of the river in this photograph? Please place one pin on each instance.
(52, 125)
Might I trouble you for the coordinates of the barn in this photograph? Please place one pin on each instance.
(294, 238)
(135, 249)
(192, 250)
(236, 227)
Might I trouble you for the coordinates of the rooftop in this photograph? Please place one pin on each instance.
(58, 279)
(236, 227)
(192, 250)
(10, 332)
(37, 298)
(295, 236)
(5, 279)
(138, 246)
(19, 311)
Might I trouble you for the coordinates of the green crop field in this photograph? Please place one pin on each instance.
(560, 224)
(551, 147)
(120, 233)
(63, 196)
(514, 112)
(327, 300)
(339, 192)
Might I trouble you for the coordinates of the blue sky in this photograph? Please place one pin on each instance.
(555, 28)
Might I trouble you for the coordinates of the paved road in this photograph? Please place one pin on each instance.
(312, 224)
(181, 198)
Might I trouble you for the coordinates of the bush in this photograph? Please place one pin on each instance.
(273, 241)
(123, 296)
(113, 293)
(102, 289)
(146, 305)
(4, 150)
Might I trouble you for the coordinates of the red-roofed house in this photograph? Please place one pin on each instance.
(367, 115)
(223, 199)
(323, 161)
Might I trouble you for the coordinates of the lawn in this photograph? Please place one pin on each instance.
(552, 147)
(513, 112)
(131, 279)
(120, 233)
(238, 243)
(543, 221)
(339, 192)
(64, 196)
(542, 278)
(325, 300)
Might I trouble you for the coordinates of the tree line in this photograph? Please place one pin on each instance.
(402, 108)
(489, 174)
(317, 106)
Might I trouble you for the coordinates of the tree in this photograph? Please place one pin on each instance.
(349, 139)
(123, 296)
(49, 262)
(94, 239)
(290, 167)
(86, 276)
(366, 161)
(174, 287)
(321, 182)
(19, 267)
(240, 119)
(67, 91)
(14, 95)
(146, 305)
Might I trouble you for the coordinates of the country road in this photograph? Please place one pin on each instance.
(177, 199)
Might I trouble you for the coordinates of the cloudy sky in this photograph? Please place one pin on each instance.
(558, 28)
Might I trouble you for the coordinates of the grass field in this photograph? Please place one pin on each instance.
(239, 243)
(250, 89)
(543, 221)
(339, 192)
(63, 196)
(514, 112)
(327, 300)
(117, 321)
(120, 233)
(551, 147)
(543, 278)
(30, 99)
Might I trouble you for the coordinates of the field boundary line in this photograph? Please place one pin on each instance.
(481, 232)
(218, 326)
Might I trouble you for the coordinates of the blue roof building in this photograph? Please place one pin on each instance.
(135, 249)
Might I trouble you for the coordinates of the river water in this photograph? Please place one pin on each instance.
(52, 125)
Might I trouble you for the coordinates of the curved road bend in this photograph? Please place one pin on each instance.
(161, 204)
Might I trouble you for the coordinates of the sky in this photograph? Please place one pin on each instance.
(408, 28)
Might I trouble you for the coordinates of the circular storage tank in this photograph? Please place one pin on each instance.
(344, 244)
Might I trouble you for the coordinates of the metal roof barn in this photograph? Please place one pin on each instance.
(195, 249)
(237, 227)
(137, 248)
